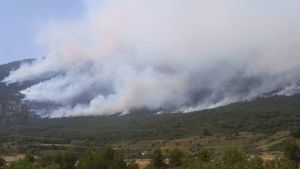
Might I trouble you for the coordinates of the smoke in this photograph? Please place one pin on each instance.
(180, 55)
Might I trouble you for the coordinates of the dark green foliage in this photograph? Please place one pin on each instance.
(53, 166)
(118, 161)
(295, 134)
(256, 163)
(292, 151)
(22, 164)
(68, 159)
(30, 157)
(204, 155)
(157, 159)
(106, 158)
(50, 158)
(233, 156)
(91, 160)
(65, 160)
(2, 162)
(176, 158)
(132, 165)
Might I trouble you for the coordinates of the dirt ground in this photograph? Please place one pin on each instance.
(9, 159)
(142, 163)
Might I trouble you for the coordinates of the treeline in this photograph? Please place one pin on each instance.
(108, 158)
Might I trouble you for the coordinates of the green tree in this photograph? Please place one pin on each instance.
(256, 163)
(68, 159)
(204, 155)
(21, 164)
(45, 159)
(106, 158)
(233, 159)
(52, 166)
(91, 160)
(2, 162)
(157, 159)
(48, 159)
(176, 158)
(292, 151)
(118, 161)
(30, 157)
(133, 165)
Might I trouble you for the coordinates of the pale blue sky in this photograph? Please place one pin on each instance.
(20, 20)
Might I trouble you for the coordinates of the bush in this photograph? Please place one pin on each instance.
(106, 158)
(176, 158)
(2, 162)
(204, 155)
(157, 159)
(53, 166)
(21, 164)
(292, 150)
(133, 165)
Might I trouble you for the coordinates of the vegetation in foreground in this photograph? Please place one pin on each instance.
(108, 158)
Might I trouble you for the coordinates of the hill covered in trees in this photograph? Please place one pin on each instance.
(255, 127)
(262, 115)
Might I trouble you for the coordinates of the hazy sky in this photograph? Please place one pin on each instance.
(20, 21)
(122, 55)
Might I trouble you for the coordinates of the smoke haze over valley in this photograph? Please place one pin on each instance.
(171, 55)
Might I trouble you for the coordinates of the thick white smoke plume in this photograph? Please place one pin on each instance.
(184, 55)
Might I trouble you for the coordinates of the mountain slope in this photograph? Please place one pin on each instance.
(6, 68)
(265, 115)
(12, 110)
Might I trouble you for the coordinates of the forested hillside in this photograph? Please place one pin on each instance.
(265, 115)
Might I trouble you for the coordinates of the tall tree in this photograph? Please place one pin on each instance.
(2, 163)
(157, 158)
(176, 158)
(292, 151)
